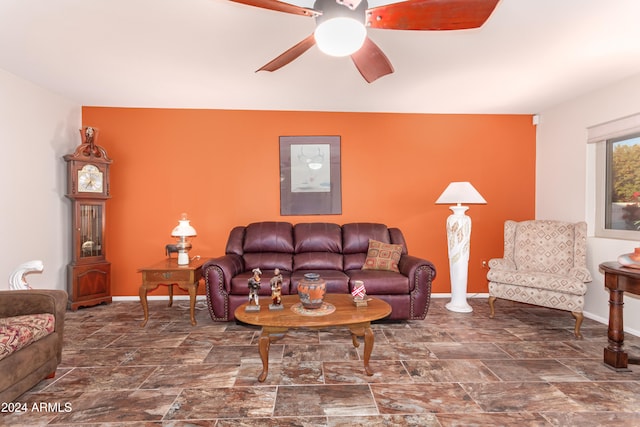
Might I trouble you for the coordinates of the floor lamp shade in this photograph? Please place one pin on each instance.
(458, 240)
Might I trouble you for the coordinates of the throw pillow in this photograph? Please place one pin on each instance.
(382, 256)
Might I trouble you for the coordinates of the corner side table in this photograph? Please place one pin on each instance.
(168, 273)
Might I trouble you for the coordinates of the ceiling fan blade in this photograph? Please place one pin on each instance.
(431, 14)
(289, 55)
(278, 6)
(371, 61)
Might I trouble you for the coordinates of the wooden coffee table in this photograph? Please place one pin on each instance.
(275, 323)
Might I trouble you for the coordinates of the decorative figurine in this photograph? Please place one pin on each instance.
(17, 279)
(359, 294)
(254, 288)
(276, 291)
(171, 249)
(88, 135)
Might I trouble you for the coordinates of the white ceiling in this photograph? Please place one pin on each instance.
(529, 56)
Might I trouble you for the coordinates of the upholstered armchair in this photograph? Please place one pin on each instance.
(544, 264)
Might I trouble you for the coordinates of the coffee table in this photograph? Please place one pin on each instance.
(275, 323)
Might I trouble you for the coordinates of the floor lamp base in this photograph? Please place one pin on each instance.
(459, 308)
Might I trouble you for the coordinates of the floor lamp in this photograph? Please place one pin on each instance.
(458, 240)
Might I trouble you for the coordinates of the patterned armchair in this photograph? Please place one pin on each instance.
(544, 264)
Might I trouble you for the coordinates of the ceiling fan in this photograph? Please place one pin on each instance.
(338, 20)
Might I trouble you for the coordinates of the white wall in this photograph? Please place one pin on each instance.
(37, 127)
(565, 181)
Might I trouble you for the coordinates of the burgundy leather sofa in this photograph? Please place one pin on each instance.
(335, 252)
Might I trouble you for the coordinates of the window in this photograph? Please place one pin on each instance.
(622, 206)
(617, 198)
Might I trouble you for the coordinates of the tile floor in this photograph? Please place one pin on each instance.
(523, 368)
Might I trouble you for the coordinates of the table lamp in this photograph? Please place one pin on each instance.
(183, 231)
(458, 240)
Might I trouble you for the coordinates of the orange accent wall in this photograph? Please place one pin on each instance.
(222, 168)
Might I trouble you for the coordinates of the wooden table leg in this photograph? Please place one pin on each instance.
(143, 301)
(144, 288)
(266, 337)
(193, 290)
(170, 285)
(264, 345)
(368, 348)
(364, 330)
(614, 355)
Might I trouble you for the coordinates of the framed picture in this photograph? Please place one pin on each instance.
(310, 178)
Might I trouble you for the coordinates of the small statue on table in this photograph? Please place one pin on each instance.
(276, 291)
(254, 289)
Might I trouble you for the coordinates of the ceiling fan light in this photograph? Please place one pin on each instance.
(340, 36)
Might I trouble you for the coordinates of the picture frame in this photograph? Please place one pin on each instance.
(310, 175)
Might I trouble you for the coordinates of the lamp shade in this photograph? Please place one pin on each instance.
(340, 36)
(460, 192)
(184, 228)
(340, 28)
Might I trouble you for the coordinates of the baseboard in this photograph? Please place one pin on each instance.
(443, 295)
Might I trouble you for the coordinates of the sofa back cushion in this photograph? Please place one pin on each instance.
(317, 237)
(268, 261)
(236, 241)
(317, 261)
(266, 245)
(269, 237)
(355, 241)
(318, 246)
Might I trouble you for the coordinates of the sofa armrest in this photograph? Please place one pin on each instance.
(34, 301)
(228, 265)
(409, 265)
(217, 274)
(501, 264)
(420, 273)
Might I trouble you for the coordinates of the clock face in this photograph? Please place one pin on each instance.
(90, 179)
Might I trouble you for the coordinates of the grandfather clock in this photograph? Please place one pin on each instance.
(89, 272)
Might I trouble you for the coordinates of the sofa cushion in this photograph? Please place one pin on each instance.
(382, 256)
(235, 241)
(317, 261)
(19, 331)
(268, 260)
(356, 235)
(380, 282)
(269, 237)
(354, 261)
(317, 237)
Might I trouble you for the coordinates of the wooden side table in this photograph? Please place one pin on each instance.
(168, 273)
(618, 280)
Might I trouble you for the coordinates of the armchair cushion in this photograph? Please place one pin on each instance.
(538, 280)
(19, 331)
